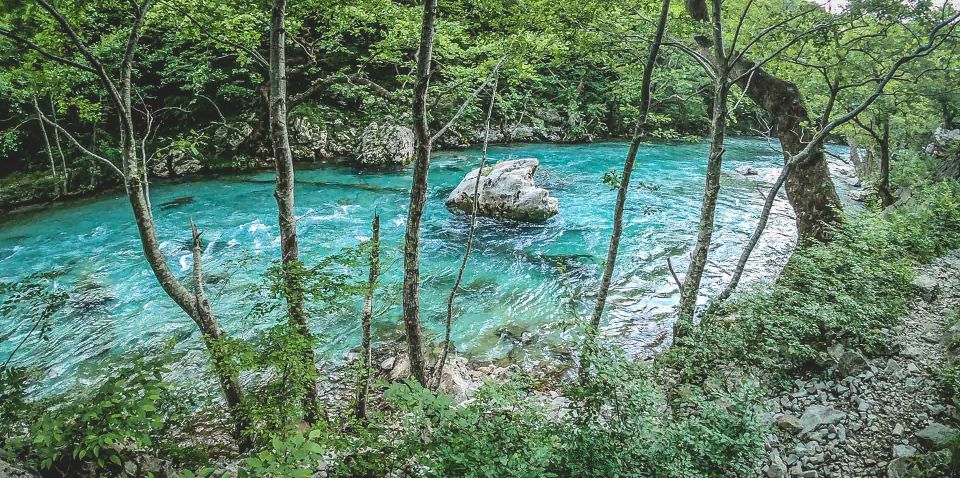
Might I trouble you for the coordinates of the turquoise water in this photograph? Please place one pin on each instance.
(521, 277)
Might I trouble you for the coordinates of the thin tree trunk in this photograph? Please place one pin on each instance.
(418, 196)
(698, 261)
(46, 142)
(754, 237)
(367, 318)
(624, 186)
(886, 198)
(195, 306)
(438, 370)
(284, 194)
(56, 140)
(212, 333)
(855, 157)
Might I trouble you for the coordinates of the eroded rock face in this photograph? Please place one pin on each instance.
(308, 140)
(175, 164)
(387, 144)
(506, 191)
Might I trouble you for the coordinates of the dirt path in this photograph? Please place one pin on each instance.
(879, 417)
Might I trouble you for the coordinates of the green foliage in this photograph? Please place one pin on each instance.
(621, 424)
(101, 428)
(850, 291)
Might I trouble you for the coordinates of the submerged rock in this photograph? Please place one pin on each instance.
(745, 170)
(175, 203)
(382, 145)
(506, 191)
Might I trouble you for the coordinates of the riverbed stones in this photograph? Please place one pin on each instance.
(746, 170)
(385, 145)
(506, 191)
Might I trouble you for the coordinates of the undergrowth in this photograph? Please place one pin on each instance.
(851, 291)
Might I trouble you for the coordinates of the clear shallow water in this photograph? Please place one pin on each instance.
(520, 278)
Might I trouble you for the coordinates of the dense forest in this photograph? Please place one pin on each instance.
(479, 238)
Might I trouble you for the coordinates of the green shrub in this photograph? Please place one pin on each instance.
(102, 428)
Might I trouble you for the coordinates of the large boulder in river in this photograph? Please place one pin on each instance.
(386, 144)
(506, 191)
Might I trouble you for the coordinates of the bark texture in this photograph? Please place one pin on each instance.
(718, 126)
(363, 387)
(418, 197)
(284, 194)
(809, 186)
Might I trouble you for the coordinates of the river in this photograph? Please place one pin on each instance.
(524, 282)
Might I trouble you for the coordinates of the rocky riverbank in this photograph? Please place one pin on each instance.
(879, 417)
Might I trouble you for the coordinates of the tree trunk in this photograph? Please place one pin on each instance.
(809, 186)
(754, 238)
(46, 142)
(698, 261)
(624, 186)
(367, 319)
(718, 126)
(195, 306)
(418, 196)
(858, 165)
(56, 140)
(883, 186)
(284, 194)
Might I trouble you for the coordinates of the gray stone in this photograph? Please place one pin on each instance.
(456, 381)
(401, 368)
(901, 451)
(9, 471)
(745, 170)
(308, 139)
(388, 363)
(936, 436)
(385, 145)
(506, 191)
(789, 423)
(851, 363)
(900, 468)
(777, 469)
(818, 415)
(927, 286)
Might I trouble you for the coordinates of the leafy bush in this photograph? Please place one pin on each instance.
(619, 423)
(100, 429)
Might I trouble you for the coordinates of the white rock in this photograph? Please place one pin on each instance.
(506, 191)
